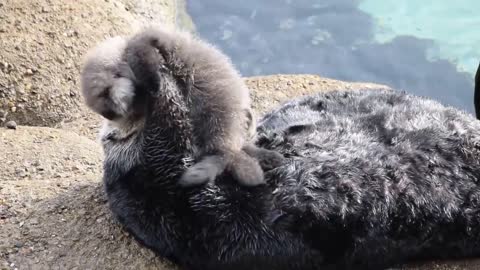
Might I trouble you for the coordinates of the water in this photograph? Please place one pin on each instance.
(428, 47)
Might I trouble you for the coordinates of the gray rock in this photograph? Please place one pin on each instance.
(11, 125)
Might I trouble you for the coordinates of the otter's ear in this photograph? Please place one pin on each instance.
(125, 71)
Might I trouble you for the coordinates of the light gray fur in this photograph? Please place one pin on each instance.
(107, 83)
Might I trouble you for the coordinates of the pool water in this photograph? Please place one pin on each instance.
(428, 47)
(452, 25)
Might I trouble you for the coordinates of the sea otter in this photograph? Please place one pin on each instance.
(373, 178)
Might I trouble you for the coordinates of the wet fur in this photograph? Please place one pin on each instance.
(374, 178)
(217, 97)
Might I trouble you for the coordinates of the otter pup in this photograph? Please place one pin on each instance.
(119, 72)
(218, 101)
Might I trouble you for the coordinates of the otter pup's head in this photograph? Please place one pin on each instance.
(107, 82)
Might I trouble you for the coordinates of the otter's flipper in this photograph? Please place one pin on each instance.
(476, 97)
(267, 159)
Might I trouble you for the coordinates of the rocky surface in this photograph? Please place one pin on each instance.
(43, 43)
(53, 213)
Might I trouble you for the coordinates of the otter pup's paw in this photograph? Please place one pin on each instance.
(202, 172)
(268, 159)
(246, 170)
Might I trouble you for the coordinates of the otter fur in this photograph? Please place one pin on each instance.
(374, 178)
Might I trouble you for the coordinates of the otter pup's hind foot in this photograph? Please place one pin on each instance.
(204, 171)
(268, 159)
(246, 170)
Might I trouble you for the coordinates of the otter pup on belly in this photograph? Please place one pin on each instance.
(218, 101)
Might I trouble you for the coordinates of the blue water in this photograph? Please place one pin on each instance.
(427, 47)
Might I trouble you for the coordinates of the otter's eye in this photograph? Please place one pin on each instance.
(117, 75)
